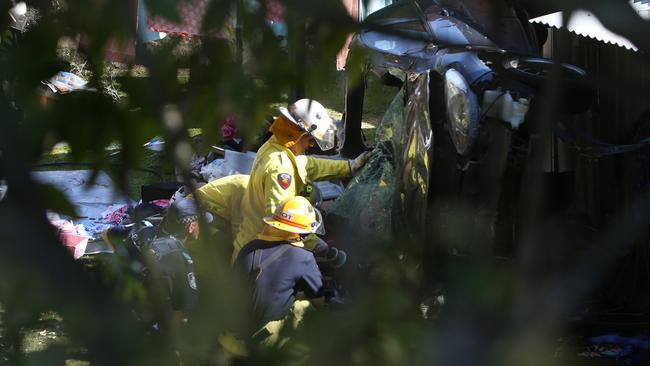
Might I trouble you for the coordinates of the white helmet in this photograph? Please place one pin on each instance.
(312, 117)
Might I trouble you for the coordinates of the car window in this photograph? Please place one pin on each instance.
(397, 29)
(391, 43)
(451, 31)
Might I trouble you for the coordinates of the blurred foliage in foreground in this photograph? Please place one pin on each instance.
(495, 317)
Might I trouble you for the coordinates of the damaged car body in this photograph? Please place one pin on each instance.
(484, 81)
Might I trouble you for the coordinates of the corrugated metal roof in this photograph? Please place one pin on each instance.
(587, 24)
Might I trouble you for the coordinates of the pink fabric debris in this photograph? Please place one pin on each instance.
(162, 203)
(118, 216)
(275, 11)
(73, 237)
(229, 127)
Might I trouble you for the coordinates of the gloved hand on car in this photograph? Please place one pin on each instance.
(331, 259)
(357, 163)
(326, 257)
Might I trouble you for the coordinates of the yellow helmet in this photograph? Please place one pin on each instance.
(298, 216)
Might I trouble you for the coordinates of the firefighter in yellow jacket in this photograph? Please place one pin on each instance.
(222, 198)
(281, 170)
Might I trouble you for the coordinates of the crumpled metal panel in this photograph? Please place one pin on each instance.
(413, 167)
(389, 195)
(450, 31)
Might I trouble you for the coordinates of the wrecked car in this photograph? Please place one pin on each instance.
(471, 84)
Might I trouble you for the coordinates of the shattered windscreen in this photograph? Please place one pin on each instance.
(395, 179)
(368, 199)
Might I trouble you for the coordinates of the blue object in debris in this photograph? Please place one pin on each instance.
(155, 144)
(629, 346)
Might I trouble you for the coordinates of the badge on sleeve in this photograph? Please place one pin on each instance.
(284, 180)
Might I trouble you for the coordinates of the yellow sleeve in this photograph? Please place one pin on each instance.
(210, 196)
(220, 196)
(279, 185)
(325, 169)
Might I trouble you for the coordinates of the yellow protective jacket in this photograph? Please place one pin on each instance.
(223, 196)
(277, 175)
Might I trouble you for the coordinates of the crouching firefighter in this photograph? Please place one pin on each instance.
(161, 260)
(222, 198)
(279, 268)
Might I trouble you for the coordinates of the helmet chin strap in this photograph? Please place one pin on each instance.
(299, 241)
(293, 145)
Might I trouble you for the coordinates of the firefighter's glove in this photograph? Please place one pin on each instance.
(358, 163)
(332, 259)
(314, 244)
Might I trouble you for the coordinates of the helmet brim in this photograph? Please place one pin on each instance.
(286, 114)
(320, 224)
(318, 229)
(284, 227)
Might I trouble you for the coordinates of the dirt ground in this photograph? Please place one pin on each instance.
(52, 335)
